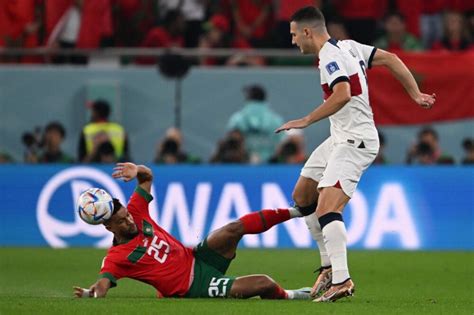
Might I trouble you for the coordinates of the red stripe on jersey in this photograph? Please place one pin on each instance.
(327, 91)
(354, 82)
(356, 88)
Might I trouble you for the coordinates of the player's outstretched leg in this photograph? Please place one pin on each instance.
(225, 240)
(266, 288)
(261, 221)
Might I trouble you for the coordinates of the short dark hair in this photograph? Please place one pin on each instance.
(428, 131)
(117, 207)
(468, 144)
(102, 108)
(309, 14)
(55, 125)
(255, 92)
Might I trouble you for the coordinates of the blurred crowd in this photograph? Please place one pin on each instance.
(249, 139)
(396, 25)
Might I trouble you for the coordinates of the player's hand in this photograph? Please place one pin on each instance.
(126, 171)
(293, 124)
(426, 101)
(80, 292)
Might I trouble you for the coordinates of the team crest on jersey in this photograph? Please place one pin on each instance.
(332, 67)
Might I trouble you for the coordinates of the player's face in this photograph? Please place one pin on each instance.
(430, 139)
(301, 37)
(122, 223)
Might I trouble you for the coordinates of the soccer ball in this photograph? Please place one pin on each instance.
(95, 206)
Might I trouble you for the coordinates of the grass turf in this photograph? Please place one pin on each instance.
(40, 280)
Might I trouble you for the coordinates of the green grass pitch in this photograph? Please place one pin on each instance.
(40, 280)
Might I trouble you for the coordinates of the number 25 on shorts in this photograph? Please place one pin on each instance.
(214, 287)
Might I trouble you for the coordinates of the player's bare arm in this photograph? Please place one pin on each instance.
(97, 290)
(340, 96)
(128, 171)
(401, 72)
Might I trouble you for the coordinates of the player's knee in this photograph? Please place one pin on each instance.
(297, 197)
(331, 200)
(235, 228)
(265, 284)
(303, 200)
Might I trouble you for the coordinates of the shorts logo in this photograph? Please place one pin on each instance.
(332, 67)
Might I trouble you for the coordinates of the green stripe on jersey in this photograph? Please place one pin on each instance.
(138, 253)
(142, 192)
(147, 229)
(108, 275)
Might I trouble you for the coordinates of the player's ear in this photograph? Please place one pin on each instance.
(307, 31)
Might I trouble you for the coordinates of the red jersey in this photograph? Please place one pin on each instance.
(288, 7)
(250, 10)
(153, 256)
(96, 20)
(361, 9)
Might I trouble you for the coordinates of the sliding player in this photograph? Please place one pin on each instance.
(143, 251)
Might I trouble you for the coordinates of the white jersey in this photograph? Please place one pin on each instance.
(347, 61)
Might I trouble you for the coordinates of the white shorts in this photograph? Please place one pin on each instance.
(342, 162)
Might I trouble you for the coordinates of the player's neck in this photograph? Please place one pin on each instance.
(119, 240)
(320, 40)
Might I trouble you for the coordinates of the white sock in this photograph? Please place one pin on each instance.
(291, 294)
(335, 239)
(315, 230)
(294, 213)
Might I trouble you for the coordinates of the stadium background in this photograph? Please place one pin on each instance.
(410, 222)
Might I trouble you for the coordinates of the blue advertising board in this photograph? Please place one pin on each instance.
(393, 207)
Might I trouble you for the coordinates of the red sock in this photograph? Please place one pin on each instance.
(258, 222)
(278, 294)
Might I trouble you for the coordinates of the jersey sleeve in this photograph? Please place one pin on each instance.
(367, 53)
(333, 70)
(111, 271)
(138, 203)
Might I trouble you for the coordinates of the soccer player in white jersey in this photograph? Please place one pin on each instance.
(332, 172)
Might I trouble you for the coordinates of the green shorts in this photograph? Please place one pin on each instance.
(209, 274)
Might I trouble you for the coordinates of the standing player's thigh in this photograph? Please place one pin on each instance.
(317, 161)
(345, 167)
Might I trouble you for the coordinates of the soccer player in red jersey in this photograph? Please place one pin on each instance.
(143, 251)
